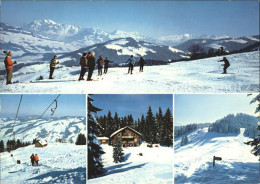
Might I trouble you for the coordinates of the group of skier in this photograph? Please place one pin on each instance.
(88, 61)
(34, 159)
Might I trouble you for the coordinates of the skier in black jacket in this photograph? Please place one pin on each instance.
(226, 65)
(91, 64)
(141, 63)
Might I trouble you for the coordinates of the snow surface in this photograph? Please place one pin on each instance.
(193, 162)
(27, 129)
(154, 167)
(58, 163)
(196, 76)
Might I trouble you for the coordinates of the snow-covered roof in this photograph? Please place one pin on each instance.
(123, 129)
(43, 142)
(106, 138)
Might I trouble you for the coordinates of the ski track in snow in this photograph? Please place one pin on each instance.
(193, 162)
(58, 163)
(197, 76)
(154, 167)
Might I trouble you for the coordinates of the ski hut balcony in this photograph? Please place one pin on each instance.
(128, 136)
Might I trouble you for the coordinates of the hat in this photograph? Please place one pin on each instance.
(7, 52)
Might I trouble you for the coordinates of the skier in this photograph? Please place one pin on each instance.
(141, 63)
(32, 159)
(36, 158)
(9, 66)
(131, 62)
(83, 64)
(106, 65)
(52, 66)
(91, 64)
(226, 65)
(100, 63)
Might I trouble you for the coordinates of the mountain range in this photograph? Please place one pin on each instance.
(46, 37)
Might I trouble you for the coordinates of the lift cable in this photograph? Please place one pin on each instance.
(16, 116)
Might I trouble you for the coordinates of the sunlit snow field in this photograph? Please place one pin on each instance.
(197, 76)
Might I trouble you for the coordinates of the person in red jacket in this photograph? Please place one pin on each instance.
(36, 159)
(9, 66)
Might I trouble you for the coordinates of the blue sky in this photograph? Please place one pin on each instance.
(131, 104)
(68, 105)
(208, 108)
(152, 18)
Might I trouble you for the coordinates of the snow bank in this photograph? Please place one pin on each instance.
(154, 167)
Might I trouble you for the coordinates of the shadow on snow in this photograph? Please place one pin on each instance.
(77, 175)
(238, 172)
(119, 168)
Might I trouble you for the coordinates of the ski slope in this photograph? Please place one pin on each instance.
(154, 167)
(197, 76)
(58, 163)
(193, 162)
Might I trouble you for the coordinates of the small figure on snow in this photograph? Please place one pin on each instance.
(91, 64)
(141, 63)
(106, 61)
(131, 62)
(226, 65)
(53, 64)
(9, 66)
(32, 159)
(36, 158)
(100, 63)
(83, 64)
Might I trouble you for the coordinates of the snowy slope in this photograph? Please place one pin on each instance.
(193, 162)
(154, 167)
(58, 163)
(27, 129)
(182, 77)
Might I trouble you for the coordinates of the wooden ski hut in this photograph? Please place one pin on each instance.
(103, 140)
(41, 143)
(128, 136)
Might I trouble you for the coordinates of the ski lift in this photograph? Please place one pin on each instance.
(53, 109)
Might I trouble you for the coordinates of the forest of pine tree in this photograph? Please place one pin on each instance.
(155, 128)
(12, 145)
(95, 165)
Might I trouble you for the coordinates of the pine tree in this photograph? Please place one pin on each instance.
(2, 146)
(256, 141)
(95, 166)
(118, 153)
(182, 141)
(81, 139)
(110, 124)
(130, 121)
(186, 140)
(116, 122)
(159, 125)
(142, 127)
(150, 128)
(167, 136)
